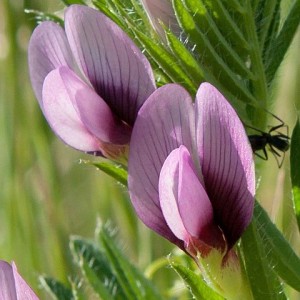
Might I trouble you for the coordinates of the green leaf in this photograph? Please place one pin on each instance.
(112, 169)
(209, 59)
(195, 283)
(128, 14)
(280, 45)
(280, 255)
(203, 16)
(295, 170)
(56, 289)
(95, 266)
(268, 11)
(166, 61)
(185, 59)
(42, 16)
(133, 282)
(261, 276)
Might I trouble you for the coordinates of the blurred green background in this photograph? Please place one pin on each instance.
(46, 195)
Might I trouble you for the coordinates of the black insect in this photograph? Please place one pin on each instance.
(277, 142)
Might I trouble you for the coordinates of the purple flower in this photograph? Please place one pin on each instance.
(191, 172)
(90, 80)
(12, 285)
(161, 11)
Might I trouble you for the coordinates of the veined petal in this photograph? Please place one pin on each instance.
(164, 123)
(226, 161)
(12, 285)
(61, 111)
(48, 49)
(117, 69)
(161, 10)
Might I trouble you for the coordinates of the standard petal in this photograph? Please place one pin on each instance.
(164, 123)
(117, 69)
(24, 292)
(226, 161)
(48, 49)
(7, 282)
(161, 10)
(61, 112)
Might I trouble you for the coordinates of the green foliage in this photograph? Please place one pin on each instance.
(133, 282)
(281, 41)
(96, 268)
(295, 170)
(266, 285)
(274, 249)
(106, 270)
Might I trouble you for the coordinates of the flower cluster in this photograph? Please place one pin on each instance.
(191, 172)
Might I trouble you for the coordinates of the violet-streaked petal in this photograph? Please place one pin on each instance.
(61, 113)
(93, 111)
(48, 49)
(24, 292)
(161, 10)
(164, 122)
(226, 161)
(117, 69)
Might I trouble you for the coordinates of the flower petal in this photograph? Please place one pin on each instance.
(194, 206)
(168, 195)
(164, 122)
(61, 113)
(7, 282)
(48, 49)
(12, 285)
(24, 292)
(183, 200)
(94, 113)
(226, 161)
(117, 69)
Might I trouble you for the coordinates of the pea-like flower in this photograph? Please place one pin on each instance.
(12, 285)
(90, 80)
(191, 171)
